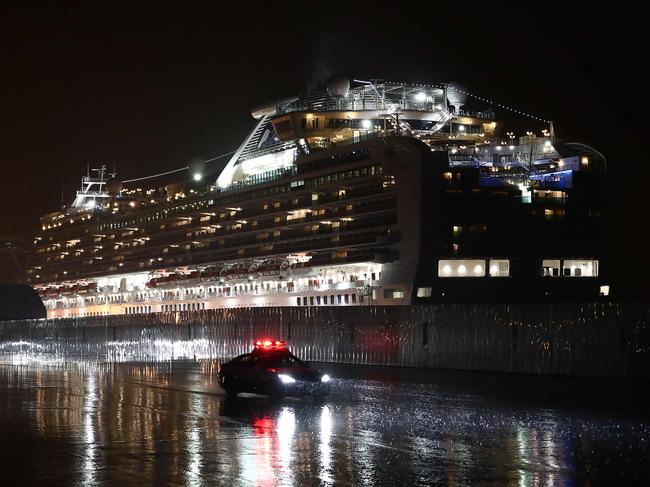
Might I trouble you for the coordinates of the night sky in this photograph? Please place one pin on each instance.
(149, 87)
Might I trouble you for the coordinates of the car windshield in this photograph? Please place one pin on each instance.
(283, 361)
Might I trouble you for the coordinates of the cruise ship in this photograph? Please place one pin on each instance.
(354, 193)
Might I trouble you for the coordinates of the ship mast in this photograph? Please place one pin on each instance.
(92, 189)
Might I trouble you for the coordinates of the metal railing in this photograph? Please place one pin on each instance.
(329, 288)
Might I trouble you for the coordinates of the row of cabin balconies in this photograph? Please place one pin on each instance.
(304, 202)
(237, 250)
(161, 238)
(246, 199)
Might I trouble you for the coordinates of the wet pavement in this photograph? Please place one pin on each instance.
(169, 423)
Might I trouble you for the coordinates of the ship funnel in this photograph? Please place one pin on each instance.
(338, 86)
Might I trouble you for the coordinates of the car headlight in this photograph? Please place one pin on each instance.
(286, 379)
(325, 378)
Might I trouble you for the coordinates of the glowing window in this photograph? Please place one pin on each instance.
(580, 268)
(499, 267)
(424, 292)
(393, 293)
(551, 267)
(461, 268)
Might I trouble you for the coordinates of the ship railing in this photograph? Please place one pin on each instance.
(325, 287)
(360, 105)
(258, 179)
(270, 149)
(97, 194)
(485, 114)
(345, 286)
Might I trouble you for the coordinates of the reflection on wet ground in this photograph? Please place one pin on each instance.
(90, 423)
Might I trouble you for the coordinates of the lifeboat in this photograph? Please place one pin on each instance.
(209, 274)
(215, 274)
(237, 272)
(272, 269)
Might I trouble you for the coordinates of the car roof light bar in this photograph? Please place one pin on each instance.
(270, 344)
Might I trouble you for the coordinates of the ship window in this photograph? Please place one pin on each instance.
(393, 293)
(461, 268)
(580, 268)
(499, 267)
(424, 292)
(551, 267)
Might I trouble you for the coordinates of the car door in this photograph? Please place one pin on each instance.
(238, 370)
(255, 373)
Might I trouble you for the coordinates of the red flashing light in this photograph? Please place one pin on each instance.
(270, 344)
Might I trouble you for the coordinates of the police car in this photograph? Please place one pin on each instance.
(270, 368)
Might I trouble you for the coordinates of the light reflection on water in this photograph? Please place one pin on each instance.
(89, 425)
(194, 443)
(169, 423)
(325, 471)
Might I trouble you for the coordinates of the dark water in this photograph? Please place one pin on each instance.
(90, 423)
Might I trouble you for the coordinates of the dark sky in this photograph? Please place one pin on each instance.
(149, 87)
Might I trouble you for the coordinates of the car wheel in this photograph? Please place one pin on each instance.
(228, 387)
(276, 392)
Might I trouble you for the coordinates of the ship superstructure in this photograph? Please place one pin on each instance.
(358, 193)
